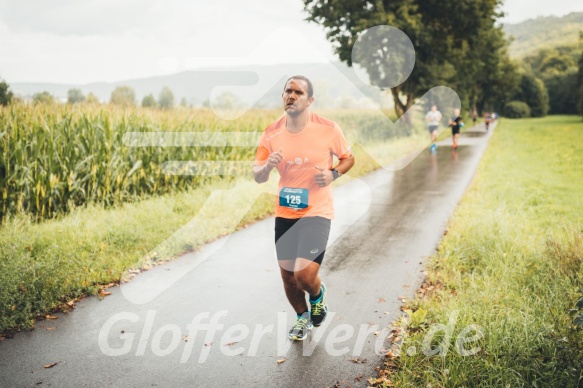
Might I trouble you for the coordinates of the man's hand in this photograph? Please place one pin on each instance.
(324, 177)
(275, 158)
(261, 173)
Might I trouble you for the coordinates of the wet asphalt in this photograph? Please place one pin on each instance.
(222, 318)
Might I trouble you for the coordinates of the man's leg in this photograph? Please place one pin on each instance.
(433, 138)
(297, 298)
(306, 275)
(294, 293)
(308, 280)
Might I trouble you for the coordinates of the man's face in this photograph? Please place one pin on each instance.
(456, 112)
(433, 108)
(295, 97)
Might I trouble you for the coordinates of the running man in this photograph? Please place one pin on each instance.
(433, 118)
(456, 123)
(487, 119)
(301, 146)
(474, 116)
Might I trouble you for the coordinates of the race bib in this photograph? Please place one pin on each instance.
(293, 197)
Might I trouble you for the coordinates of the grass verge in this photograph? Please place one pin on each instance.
(502, 301)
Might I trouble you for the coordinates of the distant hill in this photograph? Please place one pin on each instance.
(335, 84)
(548, 31)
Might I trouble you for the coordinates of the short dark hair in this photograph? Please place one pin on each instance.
(310, 87)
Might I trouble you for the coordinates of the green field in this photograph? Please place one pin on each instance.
(510, 263)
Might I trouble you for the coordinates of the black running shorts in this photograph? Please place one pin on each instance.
(304, 238)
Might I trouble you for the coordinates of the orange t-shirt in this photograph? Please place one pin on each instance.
(314, 146)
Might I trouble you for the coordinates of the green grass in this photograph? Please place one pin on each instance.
(44, 264)
(510, 263)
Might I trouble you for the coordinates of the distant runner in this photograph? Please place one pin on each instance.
(433, 118)
(456, 124)
(487, 119)
(474, 116)
(301, 146)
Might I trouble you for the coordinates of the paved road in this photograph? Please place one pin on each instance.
(224, 321)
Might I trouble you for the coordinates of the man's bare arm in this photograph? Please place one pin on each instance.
(261, 173)
(325, 177)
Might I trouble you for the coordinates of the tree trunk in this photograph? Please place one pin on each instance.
(400, 108)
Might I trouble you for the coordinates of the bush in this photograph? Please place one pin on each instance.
(516, 110)
(534, 93)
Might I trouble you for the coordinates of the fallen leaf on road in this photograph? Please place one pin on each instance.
(50, 365)
(209, 344)
(231, 344)
(51, 317)
(281, 360)
(381, 300)
(51, 328)
(104, 293)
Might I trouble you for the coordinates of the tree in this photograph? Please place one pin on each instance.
(43, 98)
(5, 93)
(166, 98)
(532, 91)
(557, 68)
(226, 101)
(124, 96)
(562, 90)
(91, 99)
(579, 83)
(149, 101)
(442, 39)
(75, 96)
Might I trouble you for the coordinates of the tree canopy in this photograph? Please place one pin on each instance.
(43, 98)
(91, 99)
(457, 43)
(149, 101)
(124, 96)
(75, 96)
(5, 93)
(166, 98)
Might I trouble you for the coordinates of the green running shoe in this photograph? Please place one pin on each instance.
(301, 328)
(318, 308)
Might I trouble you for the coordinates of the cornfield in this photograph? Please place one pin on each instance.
(56, 157)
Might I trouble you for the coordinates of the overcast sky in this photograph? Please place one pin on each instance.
(82, 41)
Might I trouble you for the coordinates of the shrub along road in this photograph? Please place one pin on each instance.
(222, 318)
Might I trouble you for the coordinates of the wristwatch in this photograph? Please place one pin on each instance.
(335, 173)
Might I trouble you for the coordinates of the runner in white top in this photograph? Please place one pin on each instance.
(433, 118)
